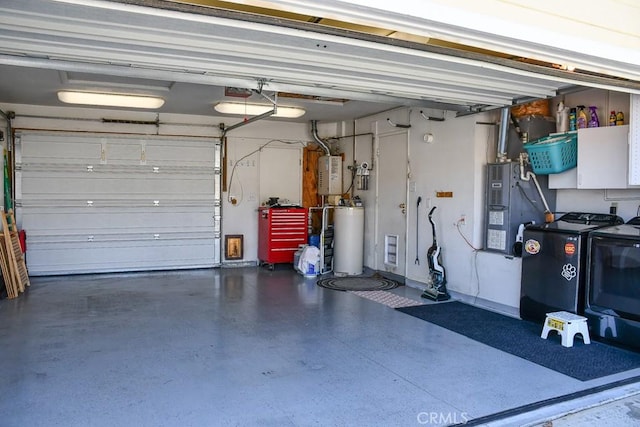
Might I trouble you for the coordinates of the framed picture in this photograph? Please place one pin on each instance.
(233, 246)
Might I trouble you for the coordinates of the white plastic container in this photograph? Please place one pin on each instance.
(307, 261)
(348, 241)
(296, 259)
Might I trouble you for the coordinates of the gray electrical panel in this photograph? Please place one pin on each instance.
(512, 201)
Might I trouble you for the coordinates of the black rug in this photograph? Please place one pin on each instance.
(521, 338)
(358, 283)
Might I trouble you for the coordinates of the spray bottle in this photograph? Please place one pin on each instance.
(593, 121)
(581, 120)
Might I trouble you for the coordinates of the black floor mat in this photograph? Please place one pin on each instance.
(358, 283)
(521, 338)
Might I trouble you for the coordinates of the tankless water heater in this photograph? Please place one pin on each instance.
(329, 175)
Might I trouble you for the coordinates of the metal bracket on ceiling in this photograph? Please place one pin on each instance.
(431, 118)
(274, 102)
(475, 109)
(261, 82)
(398, 125)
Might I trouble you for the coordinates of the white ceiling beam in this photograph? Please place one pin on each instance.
(383, 68)
(602, 36)
(135, 37)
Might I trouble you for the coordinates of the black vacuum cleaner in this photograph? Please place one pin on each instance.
(436, 287)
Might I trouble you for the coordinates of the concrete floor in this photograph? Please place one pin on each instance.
(245, 347)
(623, 412)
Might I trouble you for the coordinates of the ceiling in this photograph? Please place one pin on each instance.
(39, 86)
(188, 53)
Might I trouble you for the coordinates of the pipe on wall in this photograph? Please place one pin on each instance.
(501, 153)
(314, 134)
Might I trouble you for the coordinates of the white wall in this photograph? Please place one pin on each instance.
(456, 161)
(237, 219)
(242, 218)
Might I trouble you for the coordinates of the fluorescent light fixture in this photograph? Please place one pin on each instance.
(256, 109)
(110, 99)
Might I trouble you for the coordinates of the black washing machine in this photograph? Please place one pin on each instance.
(613, 284)
(553, 264)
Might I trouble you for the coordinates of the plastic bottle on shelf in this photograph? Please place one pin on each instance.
(593, 120)
(581, 120)
(572, 119)
(612, 118)
(620, 118)
(562, 117)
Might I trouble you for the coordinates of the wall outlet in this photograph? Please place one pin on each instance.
(462, 220)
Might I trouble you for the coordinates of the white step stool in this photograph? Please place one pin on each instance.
(568, 325)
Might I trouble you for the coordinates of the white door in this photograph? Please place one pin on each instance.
(277, 176)
(102, 202)
(392, 199)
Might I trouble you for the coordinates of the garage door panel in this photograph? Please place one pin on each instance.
(116, 221)
(94, 240)
(172, 155)
(90, 186)
(115, 202)
(123, 153)
(109, 149)
(61, 151)
(92, 257)
(102, 203)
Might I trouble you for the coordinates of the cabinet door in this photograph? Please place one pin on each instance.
(603, 157)
(603, 160)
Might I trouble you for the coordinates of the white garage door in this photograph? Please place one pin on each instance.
(101, 203)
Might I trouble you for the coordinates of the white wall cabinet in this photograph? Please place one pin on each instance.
(603, 160)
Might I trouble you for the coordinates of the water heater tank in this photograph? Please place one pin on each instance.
(348, 241)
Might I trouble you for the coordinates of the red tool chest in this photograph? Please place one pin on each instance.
(280, 231)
